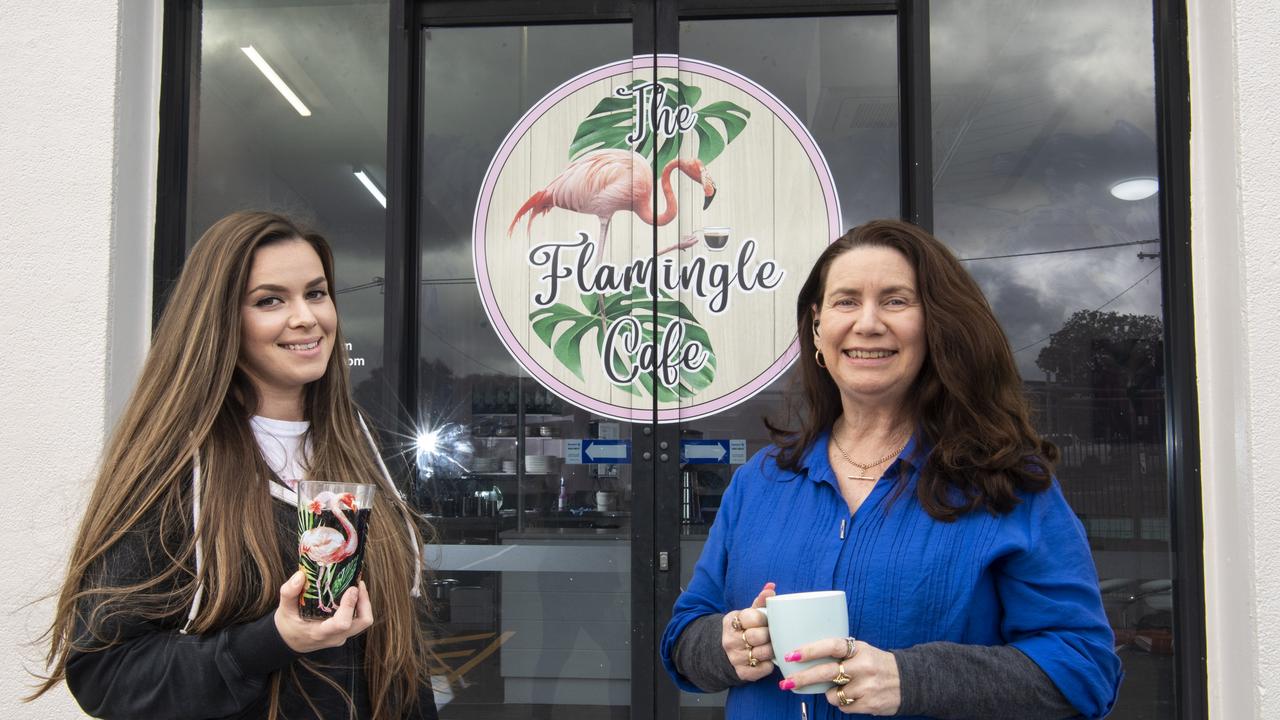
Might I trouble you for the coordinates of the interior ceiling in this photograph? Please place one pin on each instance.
(1037, 109)
(1002, 130)
(334, 54)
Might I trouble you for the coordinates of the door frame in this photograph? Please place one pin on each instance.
(655, 24)
(655, 510)
(916, 193)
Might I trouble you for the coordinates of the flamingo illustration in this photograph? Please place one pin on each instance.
(327, 547)
(602, 182)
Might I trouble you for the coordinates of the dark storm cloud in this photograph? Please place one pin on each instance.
(1016, 305)
(1042, 107)
(1034, 294)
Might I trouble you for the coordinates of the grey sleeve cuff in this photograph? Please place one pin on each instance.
(956, 682)
(699, 657)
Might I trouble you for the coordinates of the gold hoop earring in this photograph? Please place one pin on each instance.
(817, 357)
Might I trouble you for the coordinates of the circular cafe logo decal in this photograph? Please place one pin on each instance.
(642, 233)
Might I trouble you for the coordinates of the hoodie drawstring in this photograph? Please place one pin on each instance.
(416, 590)
(195, 524)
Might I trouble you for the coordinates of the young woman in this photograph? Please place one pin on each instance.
(181, 599)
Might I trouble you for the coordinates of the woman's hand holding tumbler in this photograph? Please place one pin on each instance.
(354, 616)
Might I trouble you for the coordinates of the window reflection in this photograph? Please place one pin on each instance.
(839, 76)
(252, 149)
(1040, 109)
(533, 567)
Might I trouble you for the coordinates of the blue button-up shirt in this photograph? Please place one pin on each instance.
(1025, 578)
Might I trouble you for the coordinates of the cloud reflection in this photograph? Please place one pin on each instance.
(1054, 104)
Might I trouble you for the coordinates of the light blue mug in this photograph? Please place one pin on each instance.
(797, 619)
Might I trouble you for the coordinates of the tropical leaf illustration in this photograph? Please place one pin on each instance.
(345, 576)
(311, 571)
(612, 121)
(568, 347)
(306, 521)
(607, 126)
(566, 342)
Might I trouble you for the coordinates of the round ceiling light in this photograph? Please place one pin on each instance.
(1139, 188)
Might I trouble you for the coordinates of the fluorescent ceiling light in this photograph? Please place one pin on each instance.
(373, 189)
(1139, 188)
(275, 79)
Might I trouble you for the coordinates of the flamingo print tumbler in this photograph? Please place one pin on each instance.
(333, 519)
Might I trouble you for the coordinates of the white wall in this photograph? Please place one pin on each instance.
(77, 149)
(1235, 98)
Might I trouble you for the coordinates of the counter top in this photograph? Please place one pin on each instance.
(563, 534)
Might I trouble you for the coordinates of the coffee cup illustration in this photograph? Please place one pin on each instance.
(717, 238)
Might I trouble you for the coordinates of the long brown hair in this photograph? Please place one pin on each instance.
(191, 397)
(967, 400)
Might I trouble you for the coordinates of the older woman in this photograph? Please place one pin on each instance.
(915, 483)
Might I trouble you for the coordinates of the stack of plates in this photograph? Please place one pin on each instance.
(538, 464)
(485, 464)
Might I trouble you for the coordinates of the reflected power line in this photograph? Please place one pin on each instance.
(375, 282)
(459, 350)
(1117, 297)
(379, 282)
(449, 281)
(1063, 250)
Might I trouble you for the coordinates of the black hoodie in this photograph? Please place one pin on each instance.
(156, 672)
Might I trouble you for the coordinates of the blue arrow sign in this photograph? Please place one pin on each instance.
(593, 451)
(721, 452)
(693, 452)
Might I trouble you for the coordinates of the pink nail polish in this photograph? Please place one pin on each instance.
(786, 684)
(793, 657)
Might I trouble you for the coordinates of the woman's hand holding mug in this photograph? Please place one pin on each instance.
(745, 639)
(866, 681)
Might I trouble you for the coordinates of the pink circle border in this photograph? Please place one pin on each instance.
(481, 216)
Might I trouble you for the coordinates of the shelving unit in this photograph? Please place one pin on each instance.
(504, 416)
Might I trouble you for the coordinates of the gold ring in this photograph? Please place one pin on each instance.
(736, 624)
(841, 678)
(845, 700)
(751, 658)
(849, 648)
(744, 641)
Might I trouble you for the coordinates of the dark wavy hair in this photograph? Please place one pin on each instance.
(967, 400)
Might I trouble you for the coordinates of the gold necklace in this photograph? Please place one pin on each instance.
(868, 466)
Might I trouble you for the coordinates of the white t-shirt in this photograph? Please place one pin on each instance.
(282, 446)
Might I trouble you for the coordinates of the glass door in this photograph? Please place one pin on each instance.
(818, 153)
(611, 240)
(530, 488)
